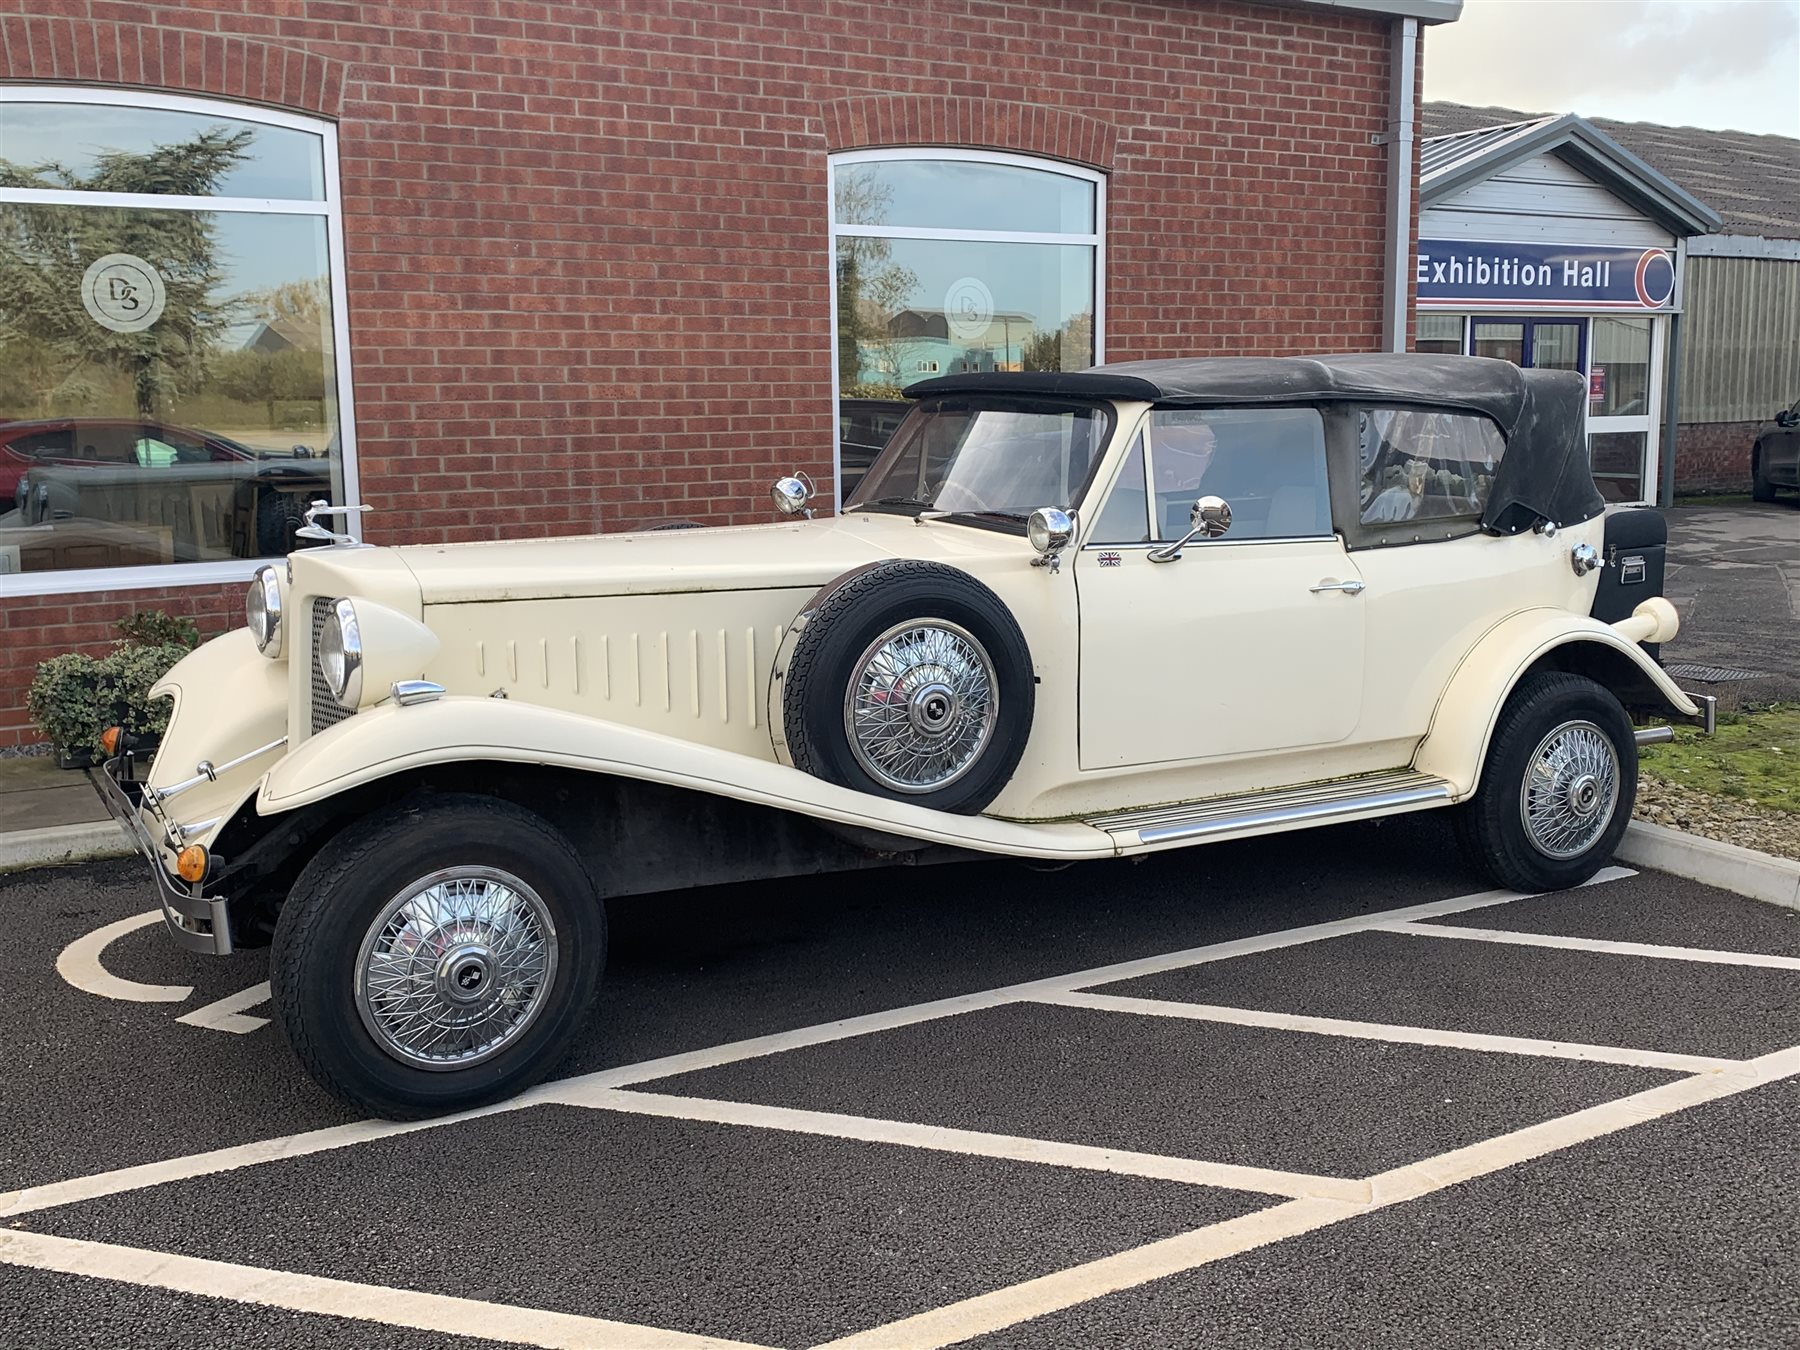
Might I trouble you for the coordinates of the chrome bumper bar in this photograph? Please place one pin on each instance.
(195, 921)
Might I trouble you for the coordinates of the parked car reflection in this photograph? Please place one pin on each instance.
(120, 491)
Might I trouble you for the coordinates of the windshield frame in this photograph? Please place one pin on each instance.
(1106, 425)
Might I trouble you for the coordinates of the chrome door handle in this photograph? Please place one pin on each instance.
(1347, 587)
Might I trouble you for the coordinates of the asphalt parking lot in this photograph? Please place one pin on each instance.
(1317, 1090)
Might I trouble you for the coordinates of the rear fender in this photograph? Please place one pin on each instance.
(390, 739)
(1456, 743)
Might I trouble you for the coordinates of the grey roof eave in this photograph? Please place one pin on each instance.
(1598, 154)
(1425, 11)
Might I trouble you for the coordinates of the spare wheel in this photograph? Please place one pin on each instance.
(909, 680)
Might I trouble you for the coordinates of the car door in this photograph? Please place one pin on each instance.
(1782, 449)
(1236, 646)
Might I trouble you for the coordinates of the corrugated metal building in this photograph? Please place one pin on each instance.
(1735, 320)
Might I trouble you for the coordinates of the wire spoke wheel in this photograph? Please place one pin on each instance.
(1570, 789)
(455, 967)
(921, 705)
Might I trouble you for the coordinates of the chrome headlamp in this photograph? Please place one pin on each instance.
(340, 654)
(262, 607)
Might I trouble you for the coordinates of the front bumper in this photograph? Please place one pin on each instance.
(196, 921)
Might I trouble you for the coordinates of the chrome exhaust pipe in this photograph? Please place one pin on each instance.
(1655, 735)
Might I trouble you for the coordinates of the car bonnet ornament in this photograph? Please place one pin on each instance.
(320, 507)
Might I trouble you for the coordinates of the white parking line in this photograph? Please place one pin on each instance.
(1007, 1307)
(1707, 955)
(79, 965)
(227, 1013)
(341, 1298)
(341, 1136)
(1377, 1031)
(972, 1143)
(1326, 1200)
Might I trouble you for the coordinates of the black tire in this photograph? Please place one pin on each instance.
(1761, 489)
(1491, 825)
(845, 619)
(277, 517)
(340, 894)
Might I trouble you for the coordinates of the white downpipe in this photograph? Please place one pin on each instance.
(1403, 37)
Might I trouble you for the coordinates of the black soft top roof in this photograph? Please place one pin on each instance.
(1544, 474)
(1473, 382)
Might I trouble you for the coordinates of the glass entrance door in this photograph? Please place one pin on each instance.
(1622, 399)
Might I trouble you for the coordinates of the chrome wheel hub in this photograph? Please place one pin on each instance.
(1571, 790)
(921, 705)
(455, 967)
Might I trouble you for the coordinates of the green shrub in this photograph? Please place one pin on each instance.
(74, 697)
(154, 628)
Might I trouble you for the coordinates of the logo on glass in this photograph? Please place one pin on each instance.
(123, 292)
(969, 309)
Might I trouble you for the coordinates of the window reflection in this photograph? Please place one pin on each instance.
(1425, 465)
(168, 384)
(106, 148)
(963, 195)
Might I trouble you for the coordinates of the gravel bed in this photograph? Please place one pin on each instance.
(1730, 820)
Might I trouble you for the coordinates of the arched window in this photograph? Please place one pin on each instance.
(173, 382)
(947, 261)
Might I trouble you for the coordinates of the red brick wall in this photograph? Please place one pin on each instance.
(587, 253)
(1713, 456)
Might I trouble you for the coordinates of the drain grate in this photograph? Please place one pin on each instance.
(1682, 670)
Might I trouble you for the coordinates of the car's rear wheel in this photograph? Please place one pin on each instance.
(437, 956)
(1557, 787)
(1761, 489)
(909, 680)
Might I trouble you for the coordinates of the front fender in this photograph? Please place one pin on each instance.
(1456, 743)
(230, 700)
(388, 740)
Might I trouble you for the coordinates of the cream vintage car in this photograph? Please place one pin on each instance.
(1065, 616)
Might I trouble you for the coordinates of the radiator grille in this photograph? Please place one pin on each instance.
(326, 711)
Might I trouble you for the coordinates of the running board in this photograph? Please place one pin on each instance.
(1287, 808)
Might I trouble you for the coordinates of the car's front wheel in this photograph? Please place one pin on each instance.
(1557, 787)
(437, 956)
(1761, 489)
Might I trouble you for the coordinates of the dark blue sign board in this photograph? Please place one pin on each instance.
(1460, 273)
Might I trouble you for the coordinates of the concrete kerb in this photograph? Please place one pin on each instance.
(55, 845)
(1742, 871)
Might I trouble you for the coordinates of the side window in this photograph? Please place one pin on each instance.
(1125, 519)
(1420, 464)
(1267, 463)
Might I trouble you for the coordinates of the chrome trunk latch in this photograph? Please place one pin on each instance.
(1584, 559)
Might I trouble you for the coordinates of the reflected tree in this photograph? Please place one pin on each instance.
(871, 287)
(48, 341)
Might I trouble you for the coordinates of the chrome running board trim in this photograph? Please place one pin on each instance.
(1281, 809)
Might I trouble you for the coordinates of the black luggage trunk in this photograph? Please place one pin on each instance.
(1636, 550)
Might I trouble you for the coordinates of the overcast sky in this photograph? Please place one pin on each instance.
(1729, 64)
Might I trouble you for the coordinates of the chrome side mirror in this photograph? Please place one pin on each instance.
(792, 495)
(1050, 529)
(1209, 519)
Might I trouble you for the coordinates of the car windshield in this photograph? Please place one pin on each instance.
(998, 459)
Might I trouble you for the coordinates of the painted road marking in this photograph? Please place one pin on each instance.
(1707, 955)
(1377, 1031)
(79, 964)
(213, 1161)
(340, 1298)
(1342, 1199)
(1017, 1303)
(973, 1143)
(228, 1013)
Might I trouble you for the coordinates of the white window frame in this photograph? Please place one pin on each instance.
(157, 576)
(1095, 239)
